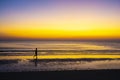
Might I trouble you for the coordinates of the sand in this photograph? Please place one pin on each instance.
(63, 75)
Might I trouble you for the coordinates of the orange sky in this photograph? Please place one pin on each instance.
(61, 20)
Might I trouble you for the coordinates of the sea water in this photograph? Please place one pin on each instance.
(17, 56)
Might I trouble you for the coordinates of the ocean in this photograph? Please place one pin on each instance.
(18, 56)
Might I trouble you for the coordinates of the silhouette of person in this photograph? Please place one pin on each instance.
(35, 57)
(36, 52)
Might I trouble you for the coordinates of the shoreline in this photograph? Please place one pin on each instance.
(64, 57)
(110, 74)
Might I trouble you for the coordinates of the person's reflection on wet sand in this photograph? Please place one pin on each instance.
(35, 57)
(35, 60)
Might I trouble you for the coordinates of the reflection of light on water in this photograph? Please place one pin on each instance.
(61, 57)
(106, 64)
(78, 56)
(60, 65)
(95, 47)
(23, 61)
(28, 63)
(59, 45)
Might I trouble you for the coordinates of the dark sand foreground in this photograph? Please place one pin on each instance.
(62, 75)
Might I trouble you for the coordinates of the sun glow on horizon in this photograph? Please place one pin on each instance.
(82, 20)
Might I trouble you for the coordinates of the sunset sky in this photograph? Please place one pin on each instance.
(60, 19)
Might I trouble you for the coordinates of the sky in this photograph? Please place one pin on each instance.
(60, 19)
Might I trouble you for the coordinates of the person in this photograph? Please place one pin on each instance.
(36, 52)
(35, 57)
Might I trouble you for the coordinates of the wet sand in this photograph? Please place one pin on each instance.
(113, 74)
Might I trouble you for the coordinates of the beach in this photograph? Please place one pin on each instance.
(63, 75)
(60, 60)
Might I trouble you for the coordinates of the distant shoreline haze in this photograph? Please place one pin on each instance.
(2, 39)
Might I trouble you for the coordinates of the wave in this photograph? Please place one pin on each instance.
(30, 50)
(58, 52)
